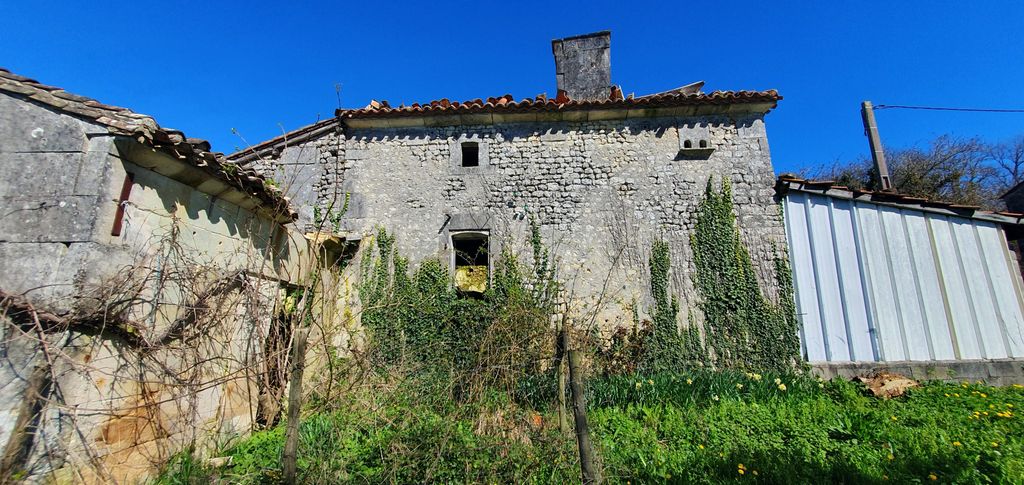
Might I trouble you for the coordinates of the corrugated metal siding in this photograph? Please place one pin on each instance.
(879, 283)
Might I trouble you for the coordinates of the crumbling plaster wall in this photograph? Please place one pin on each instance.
(602, 191)
(115, 410)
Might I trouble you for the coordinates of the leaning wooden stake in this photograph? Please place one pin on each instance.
(560, 347)
(291, 443)
(579, 408)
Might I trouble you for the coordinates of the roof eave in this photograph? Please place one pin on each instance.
(583, 114)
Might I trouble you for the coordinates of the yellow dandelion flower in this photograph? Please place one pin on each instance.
(638, 385)
(947, 394)
(956, 394)
(782, 387)
(983, 395)
(649, 381)
(1009, 405)
(754, 472)
(995, 445)
(932, 477)
(891, 458)
(956, 443)
(689, 381)
(739, 386)
(741, 471)
(778, 381)
(700, 446)
(892, 418)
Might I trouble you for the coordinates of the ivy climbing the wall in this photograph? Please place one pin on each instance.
(418, 323)
(743, 328)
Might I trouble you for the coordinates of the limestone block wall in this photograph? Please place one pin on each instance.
(189, 290)
(55, 172)
(602, 191)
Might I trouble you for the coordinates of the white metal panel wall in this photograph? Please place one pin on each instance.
(879, 283)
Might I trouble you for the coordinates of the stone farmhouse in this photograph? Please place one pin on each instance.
(122, 240)
(603, 173)
(119, 238)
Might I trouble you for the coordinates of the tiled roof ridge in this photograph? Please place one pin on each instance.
(297, 135)
(886, 196)
(560, 102)
(145, 129)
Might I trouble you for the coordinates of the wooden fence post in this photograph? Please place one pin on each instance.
(291, 443)
(579, 408)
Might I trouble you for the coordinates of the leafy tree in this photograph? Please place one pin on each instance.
(952, 169)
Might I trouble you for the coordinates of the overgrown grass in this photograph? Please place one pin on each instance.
(702, 427)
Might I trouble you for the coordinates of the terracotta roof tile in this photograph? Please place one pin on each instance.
(562, 102)
(123, 121)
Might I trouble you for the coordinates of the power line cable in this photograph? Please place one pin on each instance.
(934, 108)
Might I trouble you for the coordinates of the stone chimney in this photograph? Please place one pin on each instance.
(583, 65)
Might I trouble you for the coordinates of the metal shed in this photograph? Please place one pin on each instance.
(883, 277)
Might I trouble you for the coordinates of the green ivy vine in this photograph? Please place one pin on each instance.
(743, 328)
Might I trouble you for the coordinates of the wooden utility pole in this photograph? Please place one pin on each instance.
(291, 443)
(867, 113)
(579, 409)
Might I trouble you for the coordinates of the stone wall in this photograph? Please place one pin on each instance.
(602, 191)
(55, 174)
(160, 340)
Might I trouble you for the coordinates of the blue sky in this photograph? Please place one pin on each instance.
(206, 68)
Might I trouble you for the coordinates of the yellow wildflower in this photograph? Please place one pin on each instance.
(932, 477)
(754, 472)
(957, 394)
(995, 445)
(983, 395)
(956, 443)
(714, 397)
(892, 418)
(638, 384)
(947, 394)
(782, 387)
(778, 381)
(739, 386)
(700, 446)
(650, 382)
(891, 458)
(689, 381)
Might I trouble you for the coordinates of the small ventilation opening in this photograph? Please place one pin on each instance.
(472, 261)
(470, 154)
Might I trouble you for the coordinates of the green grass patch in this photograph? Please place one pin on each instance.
(704, 427)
